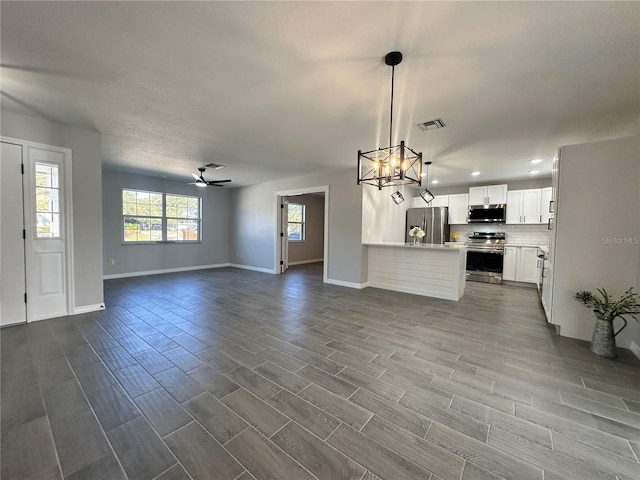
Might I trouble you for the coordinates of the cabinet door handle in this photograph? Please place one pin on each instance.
(549, 225)
(539, 263)
(540, 218)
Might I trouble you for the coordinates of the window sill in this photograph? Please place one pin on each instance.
(159, 242)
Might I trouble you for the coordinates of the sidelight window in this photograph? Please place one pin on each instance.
(47, 200)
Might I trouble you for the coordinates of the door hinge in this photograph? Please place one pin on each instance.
(25, 297)
(281, 262)
(281, 234)
(24, 234)
(22, 168)
(282, 205)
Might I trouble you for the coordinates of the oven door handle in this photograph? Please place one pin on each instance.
(478, 250)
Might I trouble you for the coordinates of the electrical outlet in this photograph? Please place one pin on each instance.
(112, 261)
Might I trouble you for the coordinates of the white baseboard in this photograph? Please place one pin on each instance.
(88, 308)
(164, 270)
(254, 269)
(635, 349)
(340, 283)
(302, 262)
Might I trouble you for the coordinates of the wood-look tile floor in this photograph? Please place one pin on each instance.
(230, 374)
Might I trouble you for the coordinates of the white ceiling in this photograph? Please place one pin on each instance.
(275, 89)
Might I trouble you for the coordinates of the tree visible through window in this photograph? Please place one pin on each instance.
(295, 218)
(47, 201)
(157, 217)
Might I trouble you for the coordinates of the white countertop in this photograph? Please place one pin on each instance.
(422, 246)
(531, 245)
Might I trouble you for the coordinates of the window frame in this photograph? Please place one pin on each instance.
(58, 203)
(164, 232)
(302, 223)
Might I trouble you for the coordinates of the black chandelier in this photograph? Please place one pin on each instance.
(390, 166)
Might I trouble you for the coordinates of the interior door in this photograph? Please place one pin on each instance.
(284, 235)
(46, 233)
(13, 308)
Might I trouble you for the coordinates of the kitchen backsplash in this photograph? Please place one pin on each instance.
(519, 234)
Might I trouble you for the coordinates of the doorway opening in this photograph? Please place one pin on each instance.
(302, 228)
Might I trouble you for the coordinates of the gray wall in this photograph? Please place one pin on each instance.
(313, 246)
(253, 223)
(213, 250)
(86, 167)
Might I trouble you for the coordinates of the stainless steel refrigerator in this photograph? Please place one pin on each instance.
(433, 220)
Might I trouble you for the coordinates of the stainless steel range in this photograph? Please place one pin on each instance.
(485, 257)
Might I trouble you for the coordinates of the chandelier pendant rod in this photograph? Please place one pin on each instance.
(393, 74)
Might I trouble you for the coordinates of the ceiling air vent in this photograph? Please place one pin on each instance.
(214, 166)
(430, 125)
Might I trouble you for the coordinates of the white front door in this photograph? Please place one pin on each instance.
(284, 235)
(46, 233)
(12, 268)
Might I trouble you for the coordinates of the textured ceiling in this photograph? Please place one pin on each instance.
(275, 89)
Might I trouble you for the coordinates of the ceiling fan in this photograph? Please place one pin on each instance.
(199, 181)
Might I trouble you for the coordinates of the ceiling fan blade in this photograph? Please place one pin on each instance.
(195, 177)
(213, 182)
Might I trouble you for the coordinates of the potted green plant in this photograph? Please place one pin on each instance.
(607, 309)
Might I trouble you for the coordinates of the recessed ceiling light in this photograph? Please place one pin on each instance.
(533, 172)
(433, 182)
(475, 174)
(535, 161)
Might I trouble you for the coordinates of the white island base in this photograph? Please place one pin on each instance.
(430, 270)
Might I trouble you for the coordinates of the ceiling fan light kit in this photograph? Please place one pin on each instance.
(393, 165)
(199, 181)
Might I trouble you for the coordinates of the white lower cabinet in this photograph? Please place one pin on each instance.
(510, 263)
(520, 264)
(528, 265)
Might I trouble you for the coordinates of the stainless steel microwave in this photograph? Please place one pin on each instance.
(493, 213)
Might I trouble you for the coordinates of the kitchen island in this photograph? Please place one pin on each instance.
(424, 269)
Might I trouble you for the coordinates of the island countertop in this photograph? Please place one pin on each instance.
(425, 246)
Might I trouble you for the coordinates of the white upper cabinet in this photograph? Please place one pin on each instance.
(490, 194)
(440, 201)
(531, 206)
(458, 208)
(418, 202)
(514, 206)
(545, 204)
(524, 206)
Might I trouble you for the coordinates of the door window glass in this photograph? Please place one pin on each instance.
(47, 201)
